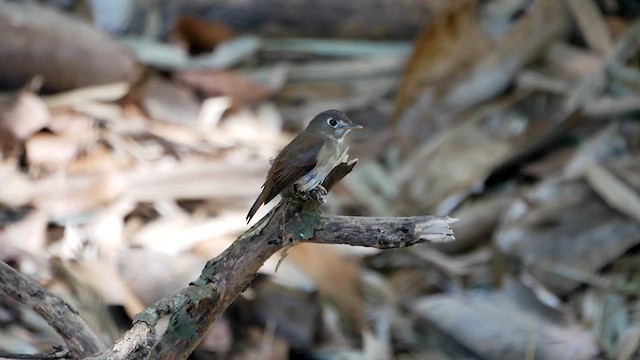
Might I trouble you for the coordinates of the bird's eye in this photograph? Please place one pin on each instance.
(332, 122)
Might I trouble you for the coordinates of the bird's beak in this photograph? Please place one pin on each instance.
(353, 126)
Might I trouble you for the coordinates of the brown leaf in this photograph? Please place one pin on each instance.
(225, 82)
(67, 52)
(335, 276)
(482, 74)
(200, 36)
(447, 46)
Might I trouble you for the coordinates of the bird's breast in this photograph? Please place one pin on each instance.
(327, 159)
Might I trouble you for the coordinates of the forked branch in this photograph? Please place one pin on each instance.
(195, 309)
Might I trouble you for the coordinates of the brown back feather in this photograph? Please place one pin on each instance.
(292, 163)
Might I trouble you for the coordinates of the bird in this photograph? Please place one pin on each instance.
(307, 160)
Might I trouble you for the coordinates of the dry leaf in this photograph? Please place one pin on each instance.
(197, 180)
(200, 36)
(88, 94)
(493, 329)
(593, 25)
(442, 172)
(225, 82)
(615, 192)
(548, 233)
(451, 43)
(66, 52)
(152, 275)
(116, 291)
(484, 75)
(52, 151)
(175, 235)
(335, 276)
(26, 116)
(169, 101)
(28, 234)
(64, 197)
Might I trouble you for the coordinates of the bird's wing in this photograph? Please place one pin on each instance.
(287, 168)
(291, 164)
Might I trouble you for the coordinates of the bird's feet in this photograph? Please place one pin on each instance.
(319, 194)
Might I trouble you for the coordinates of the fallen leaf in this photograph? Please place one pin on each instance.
(169, 101)
(67, 52)
(52, 151)
(64, 197)
(615, 192)
(479, 75)
(451, 43)
(103, 93)
(593, 25)
(116, 291)
(547, 232)
(491, 330)
(28, 234)
(161, 234)
(26, 116)
(335, 276)
(224, 82)
(152, 275)
(199, 35)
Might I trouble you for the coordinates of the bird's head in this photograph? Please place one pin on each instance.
(332, 122)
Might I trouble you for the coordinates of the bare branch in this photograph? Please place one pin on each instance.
(78, 337)
(58, 353)
(384, 232)
(195, 309)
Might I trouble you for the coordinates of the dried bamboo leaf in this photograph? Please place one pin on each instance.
(615, 192)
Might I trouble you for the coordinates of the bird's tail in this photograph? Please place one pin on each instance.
(256, 205)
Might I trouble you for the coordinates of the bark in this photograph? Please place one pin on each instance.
(79, 339)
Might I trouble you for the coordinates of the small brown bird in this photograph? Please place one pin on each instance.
(307, 160)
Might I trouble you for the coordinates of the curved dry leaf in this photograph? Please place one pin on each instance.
(593, 25)
(615, 192)
(26, 116)
(67, 52)
(452, 42)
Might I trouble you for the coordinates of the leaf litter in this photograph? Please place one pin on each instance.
(518, 117)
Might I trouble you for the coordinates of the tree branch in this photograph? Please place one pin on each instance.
(80, 340)
(195, 309)
(58, 353)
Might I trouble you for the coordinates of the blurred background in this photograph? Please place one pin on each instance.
(134, 136)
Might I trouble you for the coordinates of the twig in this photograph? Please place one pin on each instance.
(58, 353)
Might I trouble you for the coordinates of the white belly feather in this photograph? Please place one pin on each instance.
(328, 158)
